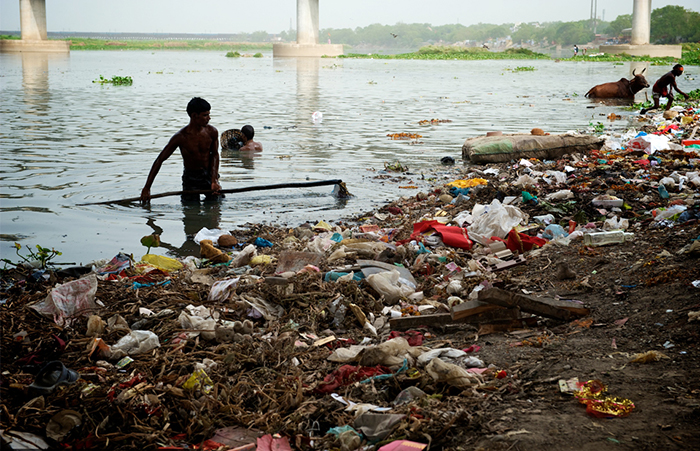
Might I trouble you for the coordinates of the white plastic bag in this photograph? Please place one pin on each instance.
(669, 212)
(387, 284)
(497, 221)
(70, 299)
(209, 234)
(451, 374)
(206, 326)
(244, 257)
(136, 342)
(559, 176)
(649, 143)
(222, 289)
(525, 181)
(560, 195)
(616, 224)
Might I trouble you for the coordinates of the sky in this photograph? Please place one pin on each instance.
(273, 16)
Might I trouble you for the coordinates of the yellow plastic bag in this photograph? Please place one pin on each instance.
(260, 260)
(468, 183)
(198, 380)
(165, 263)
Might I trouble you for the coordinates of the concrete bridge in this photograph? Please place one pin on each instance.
(32, 18)
(641, 33)
(33, 26)
(307, 35)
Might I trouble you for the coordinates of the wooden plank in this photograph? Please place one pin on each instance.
(471, 308)
(445, 319)
(507, 326)
(547, 308)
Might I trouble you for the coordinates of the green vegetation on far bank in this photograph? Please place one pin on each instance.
(433, 52)
(162, 44)
(690, 55)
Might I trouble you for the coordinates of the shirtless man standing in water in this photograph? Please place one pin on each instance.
(199, 147)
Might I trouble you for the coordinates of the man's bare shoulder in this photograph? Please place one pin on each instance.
(212, 130)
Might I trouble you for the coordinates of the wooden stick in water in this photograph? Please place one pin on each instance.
(223, 191)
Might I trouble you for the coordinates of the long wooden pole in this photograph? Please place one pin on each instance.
(223, 191)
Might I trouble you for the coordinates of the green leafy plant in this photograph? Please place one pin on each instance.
(258, 55)
(151, 241)
(116, 80)
(396, 167)
(43, 256)
(523, 69)
(235, 54)
(598, 127)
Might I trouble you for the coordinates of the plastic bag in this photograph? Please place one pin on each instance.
(560, 195)
(616, 224)
(387, 284)
(451, 374)
(497, 221)
(244, 257)
(554, 231)
(222, 289)
(525, 181)
(669, 212)
(209, 234)
(649, 143)
(207, 326)
(73, 298)
(165, 263)
(559, 176)
(136, 342)
(390, 353)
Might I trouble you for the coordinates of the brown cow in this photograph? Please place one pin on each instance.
(624, 89)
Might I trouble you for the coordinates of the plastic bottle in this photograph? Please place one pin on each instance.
(603, 238)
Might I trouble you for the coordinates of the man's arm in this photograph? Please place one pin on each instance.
(214, 160)
(164, 155)
(673, 84)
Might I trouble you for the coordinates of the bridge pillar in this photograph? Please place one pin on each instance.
(307, 35)
(641, 22)
(641, 34)
(32, 18)
(307, 22)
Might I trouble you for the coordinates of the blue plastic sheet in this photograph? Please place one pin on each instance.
(262, 242)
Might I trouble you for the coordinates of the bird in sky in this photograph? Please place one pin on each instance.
(394, 35)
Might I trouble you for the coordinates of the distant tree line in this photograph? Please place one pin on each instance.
(669, 25)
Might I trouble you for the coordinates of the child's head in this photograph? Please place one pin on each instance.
(248, 132)
(197, 105)
(678, 70)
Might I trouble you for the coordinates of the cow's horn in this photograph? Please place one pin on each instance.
(633, 72)
(643, 70)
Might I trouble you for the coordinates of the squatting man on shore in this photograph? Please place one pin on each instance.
(664, 87)
(199, 146)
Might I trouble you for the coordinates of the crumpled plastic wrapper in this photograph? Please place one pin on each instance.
(592, 394)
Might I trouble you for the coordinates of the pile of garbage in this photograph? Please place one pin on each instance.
(361, 333)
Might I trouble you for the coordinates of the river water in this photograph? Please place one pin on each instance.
(65, 140)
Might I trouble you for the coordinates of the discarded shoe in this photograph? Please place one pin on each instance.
(51, 376)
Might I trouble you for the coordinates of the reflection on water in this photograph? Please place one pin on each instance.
(244, 160)
(195, 216)
(65, 140)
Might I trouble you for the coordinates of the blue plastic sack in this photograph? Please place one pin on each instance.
(262, 242)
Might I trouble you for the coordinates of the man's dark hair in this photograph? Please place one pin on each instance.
(678, 68)
(248, 131)
(197, 105)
